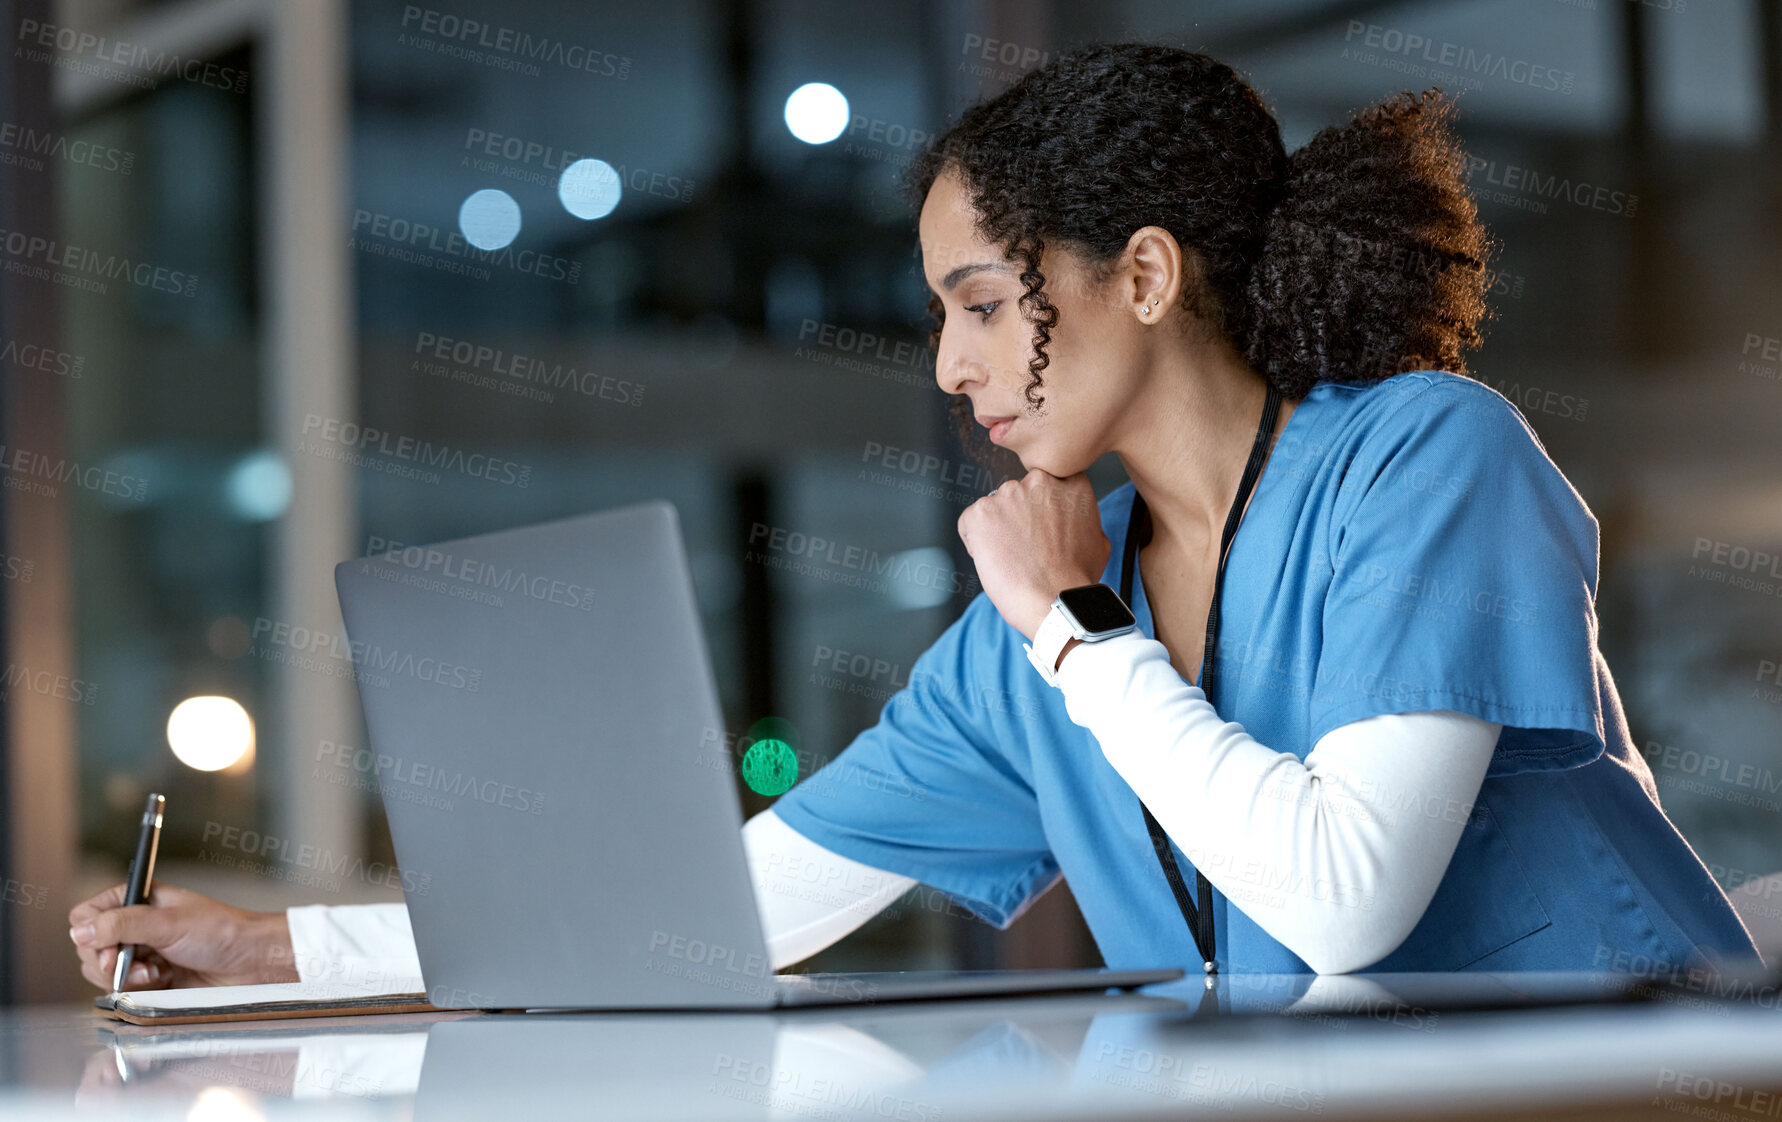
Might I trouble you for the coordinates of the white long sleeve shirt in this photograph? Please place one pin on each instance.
(1358, 868)
(1356, 837)
(808, 896)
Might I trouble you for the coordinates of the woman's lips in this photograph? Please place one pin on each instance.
(999, 427)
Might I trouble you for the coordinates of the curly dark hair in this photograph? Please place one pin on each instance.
(1357, 257)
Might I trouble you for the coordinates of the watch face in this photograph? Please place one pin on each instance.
(1097, 608)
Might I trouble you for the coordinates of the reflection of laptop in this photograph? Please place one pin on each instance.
(545, 725)
(910, 1060)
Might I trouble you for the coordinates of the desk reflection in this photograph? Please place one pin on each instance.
(1183, 1045)
(326, 1061)
(867, 1062)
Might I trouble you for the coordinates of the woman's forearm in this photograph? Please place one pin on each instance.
(808, 898)
(1336, 857)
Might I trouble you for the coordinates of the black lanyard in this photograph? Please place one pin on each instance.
(1138, 532)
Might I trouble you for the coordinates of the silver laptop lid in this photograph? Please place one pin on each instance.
(538, 701)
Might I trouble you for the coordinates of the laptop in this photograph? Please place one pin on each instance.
(553, 760)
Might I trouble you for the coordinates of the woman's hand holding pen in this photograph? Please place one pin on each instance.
(1031, 539)
(183, 939)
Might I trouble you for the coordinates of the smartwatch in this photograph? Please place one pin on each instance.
(1090, 612)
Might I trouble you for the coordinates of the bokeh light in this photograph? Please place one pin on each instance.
(259, 486)
(589, 188)
(210, 733)
(224, 1104)
(816, 112)
(922, 578)
(489, 219)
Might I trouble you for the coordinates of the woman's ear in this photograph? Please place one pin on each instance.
(1152, 270)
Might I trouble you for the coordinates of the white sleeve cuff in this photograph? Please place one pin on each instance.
(810, 896)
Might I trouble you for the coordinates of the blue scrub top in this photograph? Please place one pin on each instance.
(1409, 546)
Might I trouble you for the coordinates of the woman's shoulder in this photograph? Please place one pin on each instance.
(1441, 433)
(1417, 395)
(1424, 412)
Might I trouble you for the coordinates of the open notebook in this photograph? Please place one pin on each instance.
(261, 1003)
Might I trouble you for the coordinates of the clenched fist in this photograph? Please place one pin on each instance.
(1031, 539)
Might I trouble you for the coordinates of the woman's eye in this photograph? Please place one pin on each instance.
(984, 310)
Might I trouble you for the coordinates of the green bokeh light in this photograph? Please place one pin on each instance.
(770, 766)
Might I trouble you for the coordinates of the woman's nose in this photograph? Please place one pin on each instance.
(955, 368)
(951, 369)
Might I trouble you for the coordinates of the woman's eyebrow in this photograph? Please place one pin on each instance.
(952, 279)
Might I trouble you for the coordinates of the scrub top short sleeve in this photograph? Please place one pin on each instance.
(1465, 578)
(939, 789)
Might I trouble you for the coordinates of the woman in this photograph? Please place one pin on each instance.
(1401, 750)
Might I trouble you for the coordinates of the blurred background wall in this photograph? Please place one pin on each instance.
(235, 234)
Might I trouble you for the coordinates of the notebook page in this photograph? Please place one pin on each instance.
(212, 997)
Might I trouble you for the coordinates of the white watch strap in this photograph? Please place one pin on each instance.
(1048, 643)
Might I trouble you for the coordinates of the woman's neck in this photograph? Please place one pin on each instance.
(1188, 437)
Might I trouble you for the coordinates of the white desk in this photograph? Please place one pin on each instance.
(1088, 1056)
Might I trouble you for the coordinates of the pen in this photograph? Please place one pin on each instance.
(123, 1062)
(142, 875)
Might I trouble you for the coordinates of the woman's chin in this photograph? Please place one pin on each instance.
(1051, 465)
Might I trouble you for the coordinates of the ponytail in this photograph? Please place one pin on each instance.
(1374, 261)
